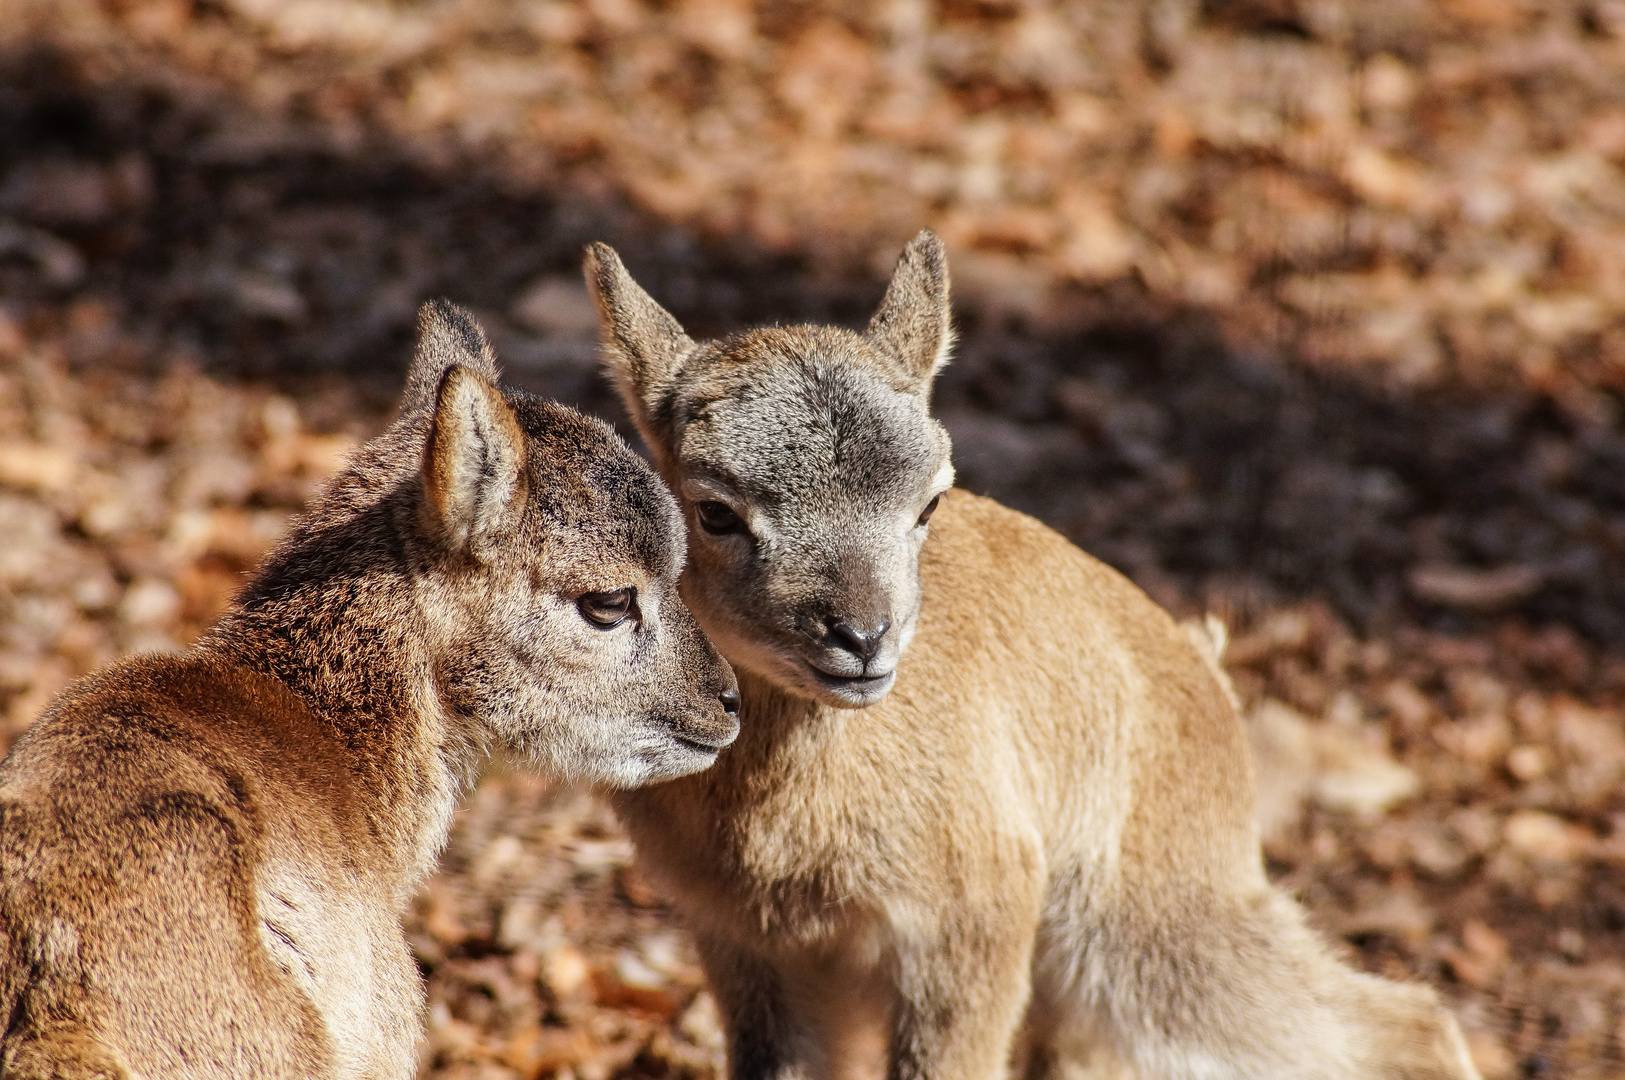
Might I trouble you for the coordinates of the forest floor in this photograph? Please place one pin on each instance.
(1311, 315)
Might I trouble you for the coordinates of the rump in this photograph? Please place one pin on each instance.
(131, 948)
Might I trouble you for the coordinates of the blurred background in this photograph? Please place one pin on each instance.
(1310, 313)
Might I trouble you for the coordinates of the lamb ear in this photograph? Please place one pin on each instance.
(472, 468)
(644, 346)
(912, 326)
(447, 336)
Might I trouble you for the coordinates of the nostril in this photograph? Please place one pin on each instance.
(730, 702)
(864, 644)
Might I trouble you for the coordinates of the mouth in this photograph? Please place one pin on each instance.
(703, 745)
(696, 746)
(854, 687)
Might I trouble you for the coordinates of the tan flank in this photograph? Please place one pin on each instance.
(1046, 822)
(204, 857)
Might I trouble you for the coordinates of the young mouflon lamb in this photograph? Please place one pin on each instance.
(983, 781)
(204, 857)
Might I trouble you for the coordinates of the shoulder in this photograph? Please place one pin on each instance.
(974, 538)
(988, 563)
(148, 728)
(168, 698)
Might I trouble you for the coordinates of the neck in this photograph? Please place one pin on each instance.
(784, 743)
(773, 722)
(335, 620)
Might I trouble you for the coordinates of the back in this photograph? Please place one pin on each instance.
(1098, 688)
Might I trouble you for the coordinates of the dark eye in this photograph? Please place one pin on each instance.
(607, 609)
(930, 508)
(718, 519)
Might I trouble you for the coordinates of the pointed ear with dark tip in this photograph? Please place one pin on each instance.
(644, 347)
(472, 470)
(447, 336)
(912, 326)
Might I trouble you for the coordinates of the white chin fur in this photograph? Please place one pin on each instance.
(643, 757)
(659, 758)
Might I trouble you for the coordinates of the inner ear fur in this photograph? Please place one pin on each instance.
(644, 346)
(912, 326)
(473, 465)
(447, 336)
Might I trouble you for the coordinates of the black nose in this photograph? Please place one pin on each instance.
(864, 644)
(730, 702)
